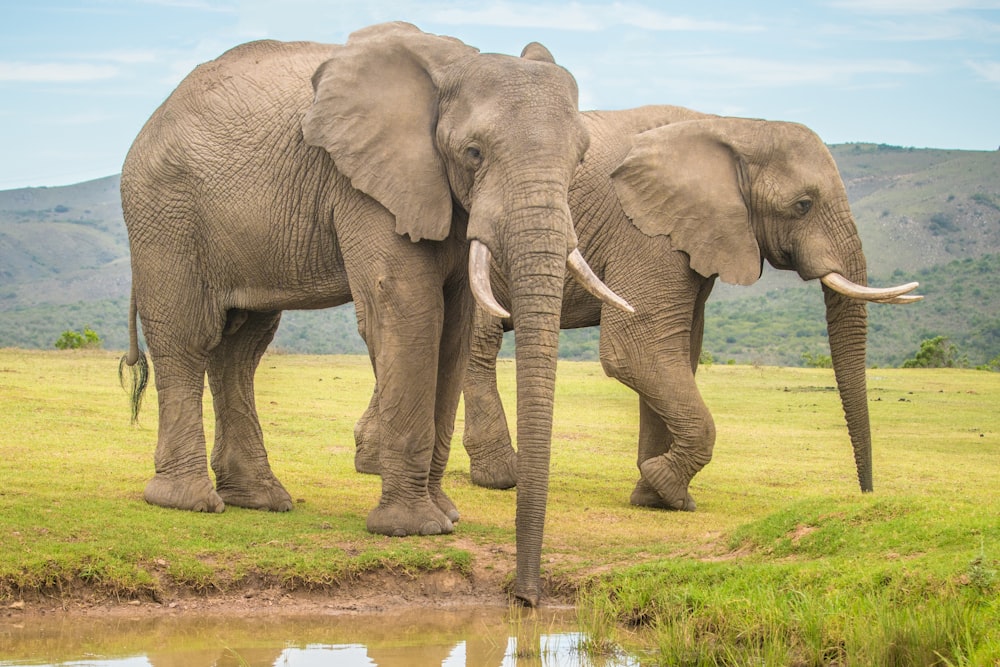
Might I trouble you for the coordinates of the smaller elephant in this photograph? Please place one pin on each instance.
(666, 200)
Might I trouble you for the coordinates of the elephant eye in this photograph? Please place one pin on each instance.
(474, 155)
(802, 206)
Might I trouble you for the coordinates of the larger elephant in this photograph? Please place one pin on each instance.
(667, 200)
(303, 175)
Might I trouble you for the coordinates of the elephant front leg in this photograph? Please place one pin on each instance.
(487, 441)
(405, 328)
(693, 437)
(181, 480)
(654, 441)
(452, 364)
(243, 474)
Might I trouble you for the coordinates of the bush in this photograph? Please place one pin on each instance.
(817, 360)
(991, 365)
(937, 352)
(71, 340)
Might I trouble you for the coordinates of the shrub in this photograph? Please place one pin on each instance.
(817, 360)
(991, 365)
(72, 340)
(937, 352)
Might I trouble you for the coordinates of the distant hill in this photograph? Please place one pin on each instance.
(925, 214)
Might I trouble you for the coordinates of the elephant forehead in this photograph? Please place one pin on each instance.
(496, 76)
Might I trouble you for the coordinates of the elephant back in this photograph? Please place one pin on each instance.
(248, 96)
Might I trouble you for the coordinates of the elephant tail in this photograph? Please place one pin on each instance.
(138, 378)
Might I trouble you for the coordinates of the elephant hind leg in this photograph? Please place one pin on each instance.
(181, 480)
(243, 475)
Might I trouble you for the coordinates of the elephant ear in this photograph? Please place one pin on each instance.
(375, 110)
(537, 51)
(685, 180)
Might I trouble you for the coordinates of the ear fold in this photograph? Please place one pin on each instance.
(685, 180)
(375, 111)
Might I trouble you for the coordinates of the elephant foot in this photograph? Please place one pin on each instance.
(185, 493)
(644, 495)
(661, 476)
(366, 459)
(413, 517)
(268, 494)
(444, 504)
(495, 472)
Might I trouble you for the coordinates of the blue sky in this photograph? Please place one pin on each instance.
(79, 78)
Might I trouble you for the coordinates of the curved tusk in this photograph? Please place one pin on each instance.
(906, 298)
(584, 275)
(842, 285)
(479, 278)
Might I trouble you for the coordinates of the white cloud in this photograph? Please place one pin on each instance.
(91, 118)
(913, 6)
(575, 16)
(55, 72)
(989, 70)
(123, 57)
(755, 72)
(225, 7)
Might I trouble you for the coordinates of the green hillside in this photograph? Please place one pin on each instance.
(781, 326)
(925, 214)
(917, 208)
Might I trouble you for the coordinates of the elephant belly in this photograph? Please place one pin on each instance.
(293, 280)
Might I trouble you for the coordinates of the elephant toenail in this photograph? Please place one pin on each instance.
(430, 528)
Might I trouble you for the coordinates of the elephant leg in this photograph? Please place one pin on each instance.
(243, 475)
(692, 433)
(452, 363)
(654, 436)
(180, 356)
(366, 433)
(661, 461)
(654, 440)
(403, 328)
(366, 438)
(492, 459)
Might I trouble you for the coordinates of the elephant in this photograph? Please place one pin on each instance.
(391, 170)
(666, 200)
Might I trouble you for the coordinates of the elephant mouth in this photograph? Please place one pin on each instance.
(899, 294)
(479, 277)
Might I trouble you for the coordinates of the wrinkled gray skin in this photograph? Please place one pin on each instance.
(659, 214)
(248, 192)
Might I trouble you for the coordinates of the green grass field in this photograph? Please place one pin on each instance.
(785, 561)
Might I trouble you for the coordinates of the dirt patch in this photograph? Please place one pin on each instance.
(487, 585)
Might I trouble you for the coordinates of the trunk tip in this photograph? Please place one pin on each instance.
(530, 600)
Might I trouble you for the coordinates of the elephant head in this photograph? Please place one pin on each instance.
(424, 124)
(732, 192)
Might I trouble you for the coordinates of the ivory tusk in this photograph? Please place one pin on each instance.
(479, 278)
(842, 285)
(584, 275)
(906, 298)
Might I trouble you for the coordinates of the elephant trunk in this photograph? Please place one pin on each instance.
(536, 275)
(532, 252)
(847, 326)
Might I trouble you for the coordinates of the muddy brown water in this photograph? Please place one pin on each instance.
(477, 637)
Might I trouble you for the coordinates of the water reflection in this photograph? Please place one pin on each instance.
(416, 638)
